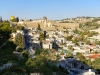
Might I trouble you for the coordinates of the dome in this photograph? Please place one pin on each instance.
(45, 18)
(0, 18)
(12, 18)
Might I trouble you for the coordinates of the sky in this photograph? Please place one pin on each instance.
(52, 9)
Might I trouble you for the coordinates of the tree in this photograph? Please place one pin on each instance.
(5, 29)
(69, 38)
(81, 57)
(68, 55)
(30, 20)
(41, 37)
(25, 54)
(96, 63)
(41, 64)
(39, 28)
(17, 19)
(20, 40)
(70, 47)
(76, 30)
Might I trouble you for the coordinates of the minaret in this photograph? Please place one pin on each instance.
(25, 19)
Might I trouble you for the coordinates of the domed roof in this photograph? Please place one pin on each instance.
(45, 18)
(12, 18)
(0, 18)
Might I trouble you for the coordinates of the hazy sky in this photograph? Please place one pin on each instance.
(52, 9)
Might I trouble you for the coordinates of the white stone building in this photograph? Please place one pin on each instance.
(46, 44)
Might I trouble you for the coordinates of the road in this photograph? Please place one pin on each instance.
(28, 45)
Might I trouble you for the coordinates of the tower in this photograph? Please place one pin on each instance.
(45, 21)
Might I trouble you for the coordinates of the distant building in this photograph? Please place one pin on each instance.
(47, 24)
(46, 44)
(12, 18)
(45, 18)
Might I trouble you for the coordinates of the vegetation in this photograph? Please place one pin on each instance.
(17, 19)
(5, 31)
(96, 19)
(42, 63)
(89, 25)
(41, 37)
(38, 28)
(94, 64)
(6, 46)
(20, 40)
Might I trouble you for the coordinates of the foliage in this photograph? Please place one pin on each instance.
(70, 47)
(17, 19)
(68, 55)
(96, 63)
(80, 56)
(6, 29)
(25, 54)
(75, 41)
(6, 51)
(96, 19)
(39, 28)
(41, 64)
(89, 25)
(69, 38)
(24, 66)
(76, 30)
(20, 40)
(41, 37)
(61, 53)
(80, 25)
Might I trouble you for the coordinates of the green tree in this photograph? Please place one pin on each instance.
(41, 37)
(25, 53)
(41, 64)
(96, 63)
(69, 38)
(76, 30)
(80, 56)
(17, 19)
(20, 40)
(30, 20)
(39, 28)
